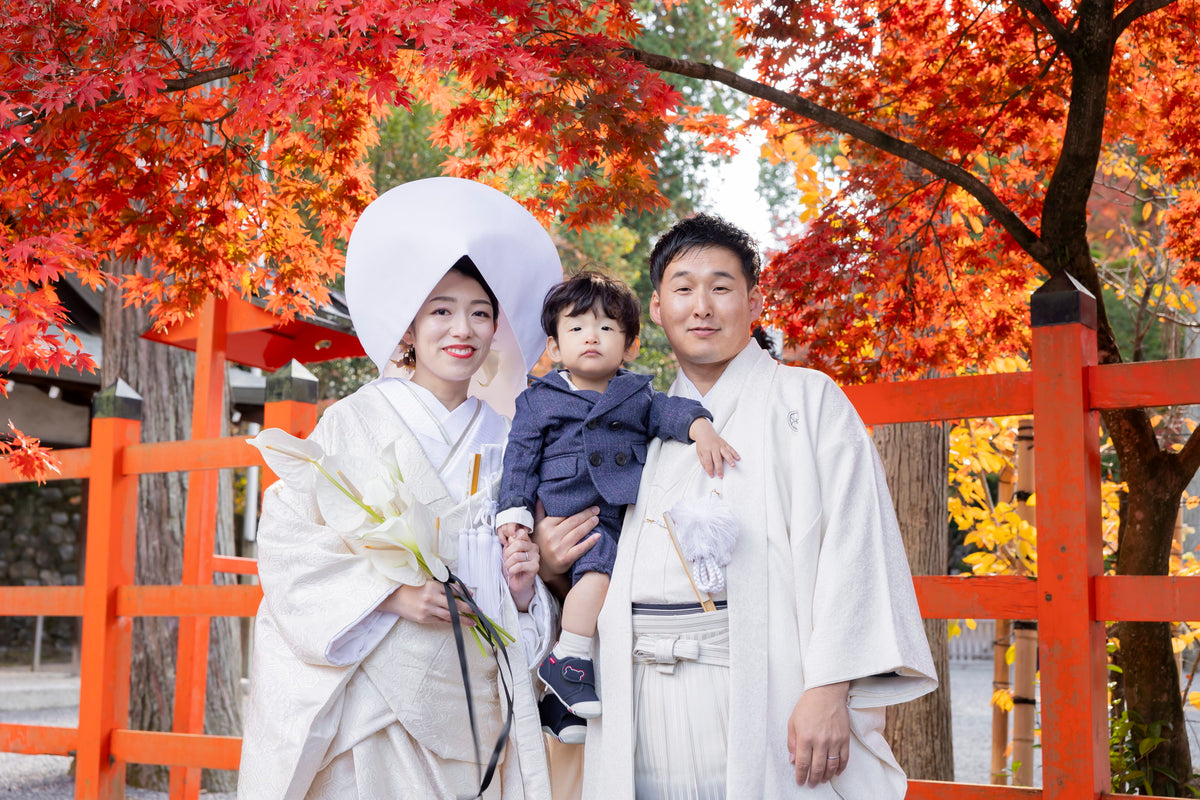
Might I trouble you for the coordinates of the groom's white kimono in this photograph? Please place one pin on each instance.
(350, 701)
(818, 589)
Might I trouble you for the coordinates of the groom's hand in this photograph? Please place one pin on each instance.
(561, 541)
(819, 734)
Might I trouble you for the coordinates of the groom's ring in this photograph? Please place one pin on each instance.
(832, 758)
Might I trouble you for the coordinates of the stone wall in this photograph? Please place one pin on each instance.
(40, 538)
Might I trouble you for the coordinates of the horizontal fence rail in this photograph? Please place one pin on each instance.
(1066, 385)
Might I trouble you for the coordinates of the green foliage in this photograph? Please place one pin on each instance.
(1152, 345)
(404, 152)
(1131, 742)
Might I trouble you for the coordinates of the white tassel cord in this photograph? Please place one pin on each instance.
(707, 531)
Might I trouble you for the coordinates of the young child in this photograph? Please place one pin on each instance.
(578, 439)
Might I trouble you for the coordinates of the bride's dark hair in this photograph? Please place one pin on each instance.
(466, 267)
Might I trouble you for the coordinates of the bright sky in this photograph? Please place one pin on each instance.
(733, 194)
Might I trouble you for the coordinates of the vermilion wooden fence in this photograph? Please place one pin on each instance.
(1071, 598)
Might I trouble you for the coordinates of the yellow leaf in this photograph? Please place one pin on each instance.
(982, 160)
(1010, 655)
(970, 623)
(1002, 699)
(976, 225)
(842, 163)
(1194, 699)
(952, 630)
(1146, 210)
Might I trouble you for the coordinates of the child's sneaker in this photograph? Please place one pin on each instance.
(573, 681)
(561, 723)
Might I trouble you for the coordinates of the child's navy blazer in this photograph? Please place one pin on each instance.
(573, 449)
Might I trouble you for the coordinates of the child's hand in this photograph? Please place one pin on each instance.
(510, 529)
(713, 451)
(521, 562)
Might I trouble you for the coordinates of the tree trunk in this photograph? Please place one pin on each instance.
(915, 460)
(1150, 675)
(163, 376)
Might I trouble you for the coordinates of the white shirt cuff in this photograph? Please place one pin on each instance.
(517, 514)
(361, 636)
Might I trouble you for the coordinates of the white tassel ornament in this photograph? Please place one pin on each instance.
(707, 531)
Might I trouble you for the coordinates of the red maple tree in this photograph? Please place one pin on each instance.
(222, 143)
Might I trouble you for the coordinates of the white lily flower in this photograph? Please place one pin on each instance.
(340, 500)
(291, 458)
(379, 493)
(390, 556)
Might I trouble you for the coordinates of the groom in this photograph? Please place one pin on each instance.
(818, 628)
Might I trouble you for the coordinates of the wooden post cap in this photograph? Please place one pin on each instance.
(1062, 300)
(118, 401)
(292, 382)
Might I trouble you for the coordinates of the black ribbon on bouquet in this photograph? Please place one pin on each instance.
(457, 590)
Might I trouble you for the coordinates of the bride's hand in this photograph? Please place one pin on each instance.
(521, 562)
(425, 604)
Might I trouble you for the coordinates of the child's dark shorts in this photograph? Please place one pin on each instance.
(603, 554)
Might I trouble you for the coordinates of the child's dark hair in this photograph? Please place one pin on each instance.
(582, 291)
(704, 230)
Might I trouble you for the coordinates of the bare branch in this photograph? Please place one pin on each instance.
(1043, 14)
(1136, 10)
(1024, 236)
(191, 81)
(1189, 456)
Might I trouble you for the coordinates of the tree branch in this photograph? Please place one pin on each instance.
(1029, 241)
(1136, 10)
(1189, 456)
(194, 79)
(1042, 13)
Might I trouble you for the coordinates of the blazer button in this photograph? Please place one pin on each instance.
(616, 425)
(594, 459)
(622, 459)
(591, 424)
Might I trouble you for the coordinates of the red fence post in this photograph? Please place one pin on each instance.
(199, 539)
(1072, 655)
(109, 561)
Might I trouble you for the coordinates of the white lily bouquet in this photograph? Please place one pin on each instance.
(398, 532)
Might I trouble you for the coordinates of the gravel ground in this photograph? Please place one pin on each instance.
(49, 777)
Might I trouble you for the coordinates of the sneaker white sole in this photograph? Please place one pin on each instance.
(576, 734)
(586, 710)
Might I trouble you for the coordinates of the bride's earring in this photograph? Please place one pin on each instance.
(408, 358)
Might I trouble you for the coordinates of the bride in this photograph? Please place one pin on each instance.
(356, 687)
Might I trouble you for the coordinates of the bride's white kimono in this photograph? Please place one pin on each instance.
(818, 589)
(348, 701)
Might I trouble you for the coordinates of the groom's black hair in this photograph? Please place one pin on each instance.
(705, 230)
(585, 290)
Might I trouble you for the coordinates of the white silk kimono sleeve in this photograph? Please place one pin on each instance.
(866, 626)
(323, 596)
